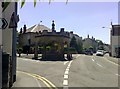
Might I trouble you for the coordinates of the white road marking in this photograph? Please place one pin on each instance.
(66, 62)
(93, 60)
(65, 82)
(65, 76)
(67, 69)
(99, 65)
(66, 72)
(110, 61)
(26, 59)
(117, 74)
(65, 87)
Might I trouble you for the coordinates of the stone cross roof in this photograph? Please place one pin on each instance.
(37, 28)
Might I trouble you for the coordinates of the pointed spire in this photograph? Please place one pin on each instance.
(88, 36)
(21, 31)
(111, 22)
(53, 25)
(24, 29)
(92, 38)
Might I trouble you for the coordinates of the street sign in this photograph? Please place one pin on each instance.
(3, 23)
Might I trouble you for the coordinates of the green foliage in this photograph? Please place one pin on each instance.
(77, 46)
(5, 5)
(22, 3)
(73, 42)
(34, 3)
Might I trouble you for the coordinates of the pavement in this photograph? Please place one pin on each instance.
(26, 80)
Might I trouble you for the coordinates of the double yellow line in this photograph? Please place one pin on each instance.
(44, 80)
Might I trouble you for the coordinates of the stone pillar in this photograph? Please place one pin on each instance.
(36, 51)
(62, 51)
(44, 52)
(69, 55)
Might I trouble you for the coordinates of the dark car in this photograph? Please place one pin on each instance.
(88, 52)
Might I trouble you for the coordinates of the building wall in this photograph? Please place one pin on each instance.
(7, 33)
(78, 39)
(115, 43)
(89, 42)
(0, 49)
(23, 38)
(8, 39)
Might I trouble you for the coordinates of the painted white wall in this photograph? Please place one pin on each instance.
(7, 33)
(0, 49)
(115, 42)
(7, 39)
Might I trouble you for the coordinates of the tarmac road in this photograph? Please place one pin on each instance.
(82, 71)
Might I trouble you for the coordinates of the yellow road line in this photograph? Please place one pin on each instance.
(44, 80)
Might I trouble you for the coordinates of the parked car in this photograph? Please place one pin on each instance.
(100, 53)
(88, 52)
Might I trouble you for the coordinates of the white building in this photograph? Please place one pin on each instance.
(115, 41)
(8, 44)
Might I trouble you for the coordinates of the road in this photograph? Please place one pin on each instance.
(82, 71)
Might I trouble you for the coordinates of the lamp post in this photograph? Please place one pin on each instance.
(110, 48)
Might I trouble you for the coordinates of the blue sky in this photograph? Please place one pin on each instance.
(82, 18)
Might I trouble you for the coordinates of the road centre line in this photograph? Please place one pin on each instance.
(66, 62)
(65, 87)
(65, 76)
(67, 69)
(65, 82)
(44, 80)
(66, 72)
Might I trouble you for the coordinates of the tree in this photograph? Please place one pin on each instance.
(78, 47)
(73, 42)
(5, 4)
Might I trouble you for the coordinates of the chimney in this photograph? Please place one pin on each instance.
(71, 32)
(24, 29)
(62, 30)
